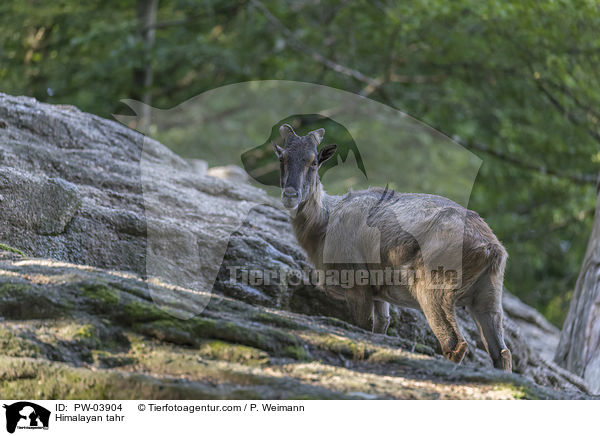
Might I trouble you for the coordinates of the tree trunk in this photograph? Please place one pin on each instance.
(579, 347)
(143, 77)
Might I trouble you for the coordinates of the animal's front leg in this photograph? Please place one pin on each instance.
(360, 305)
(381, 317)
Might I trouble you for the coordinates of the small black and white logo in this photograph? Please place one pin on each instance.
(26, 415)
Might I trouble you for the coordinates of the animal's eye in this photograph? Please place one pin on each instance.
(315, 163)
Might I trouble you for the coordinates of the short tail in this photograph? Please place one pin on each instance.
(497, 257)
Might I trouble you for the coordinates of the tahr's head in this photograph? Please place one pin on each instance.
(299, 162)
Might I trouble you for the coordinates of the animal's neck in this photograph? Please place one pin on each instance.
(310, 222)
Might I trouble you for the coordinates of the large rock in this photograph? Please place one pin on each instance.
(74, 190)
(41, 205)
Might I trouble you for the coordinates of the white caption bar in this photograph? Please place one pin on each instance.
(247, 417)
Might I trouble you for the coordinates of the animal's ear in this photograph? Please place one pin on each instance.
(286, 130)
(277, 149)
(317, 135)
(326, 152)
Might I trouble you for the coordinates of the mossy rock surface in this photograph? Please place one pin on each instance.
(71, 331)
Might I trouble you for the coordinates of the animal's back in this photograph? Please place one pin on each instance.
(406, 230)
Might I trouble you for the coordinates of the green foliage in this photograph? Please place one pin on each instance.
(518, 76)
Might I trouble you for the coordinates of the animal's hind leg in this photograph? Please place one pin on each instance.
(487, 312)
(438, 308)
(490, 329)
(360, 305)
(381, 316)
(458, 352)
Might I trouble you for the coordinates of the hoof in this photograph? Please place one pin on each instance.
(458, 353)
(504, 361)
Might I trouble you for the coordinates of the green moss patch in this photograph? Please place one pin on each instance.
(106, 359)
(233, 353)
(102, 293)
(348, 348)
(277, 321)
(192, 331)
(8, 248)
(14, 345)
(30, 378)
(88, 334)
(296, 352)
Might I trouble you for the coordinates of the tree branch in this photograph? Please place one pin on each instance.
(537, 232)
(292, 41)
(579, 179)
(557, 104)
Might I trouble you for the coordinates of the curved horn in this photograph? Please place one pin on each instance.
(286, 130)
(317, 135)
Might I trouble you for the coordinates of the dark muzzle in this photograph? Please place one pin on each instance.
(290, 197)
